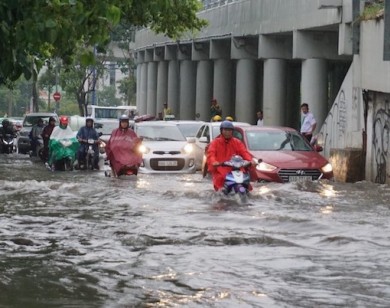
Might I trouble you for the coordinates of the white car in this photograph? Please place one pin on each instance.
(164, 148)
(207, 133)
(189, 128)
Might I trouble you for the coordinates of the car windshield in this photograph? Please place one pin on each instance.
(276, 141)
(160, 133)
(188, 129)
(29, 121)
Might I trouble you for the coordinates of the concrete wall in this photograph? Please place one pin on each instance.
(252, 17)
(358, 122)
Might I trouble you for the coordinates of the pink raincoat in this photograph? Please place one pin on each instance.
(121, 150)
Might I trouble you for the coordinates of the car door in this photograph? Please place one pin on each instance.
(200, 145)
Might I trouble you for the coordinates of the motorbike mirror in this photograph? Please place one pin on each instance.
(100, 134)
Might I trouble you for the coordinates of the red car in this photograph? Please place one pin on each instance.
(284, 154)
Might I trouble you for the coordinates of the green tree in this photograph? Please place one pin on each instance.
(48, 81)
(79, 80)
(106, 97)
(127, 88)
(33, 31)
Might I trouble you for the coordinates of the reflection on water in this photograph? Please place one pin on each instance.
(83, 240)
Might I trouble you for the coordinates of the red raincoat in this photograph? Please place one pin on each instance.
(221, 150)
(121, 149)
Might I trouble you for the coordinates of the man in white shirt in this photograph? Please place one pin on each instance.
(260, 121)
(308, 123)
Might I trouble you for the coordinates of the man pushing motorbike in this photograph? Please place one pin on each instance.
(86, 135)
(221, 149)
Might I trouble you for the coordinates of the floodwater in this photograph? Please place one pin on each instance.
(79, 239)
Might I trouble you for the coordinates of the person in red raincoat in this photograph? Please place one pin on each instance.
(221, 149)
(121, 149)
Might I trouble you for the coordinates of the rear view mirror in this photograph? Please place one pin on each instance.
(203, 139)
(318, 148)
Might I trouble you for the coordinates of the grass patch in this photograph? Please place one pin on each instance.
(373, 10)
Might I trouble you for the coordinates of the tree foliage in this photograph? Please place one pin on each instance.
(33, 31)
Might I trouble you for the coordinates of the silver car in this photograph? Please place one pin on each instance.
(189, 128)
(207, 133)
(164, 148)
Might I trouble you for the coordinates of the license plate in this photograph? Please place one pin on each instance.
(296, 178)
(167, 163)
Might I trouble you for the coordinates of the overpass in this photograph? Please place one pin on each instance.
(255, 54)
(274, 55)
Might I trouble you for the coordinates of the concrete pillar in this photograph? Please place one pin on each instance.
(314, 88)
(204, 89)
(152, 89)
(222, 87)
(274, 91)
(187, 90)
(245, 91)
(138, 97)
(162, 85)
(173, 87)
(143, 89)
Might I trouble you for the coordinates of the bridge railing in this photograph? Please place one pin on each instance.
(208, 4)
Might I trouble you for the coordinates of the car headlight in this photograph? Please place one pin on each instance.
(265, 167)
(188, 148)
(143, 149)
(327, 168)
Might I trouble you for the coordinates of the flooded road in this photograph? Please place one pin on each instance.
(79, 239)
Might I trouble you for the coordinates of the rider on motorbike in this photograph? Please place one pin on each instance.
(6, 129)
(34, 135)
(63, 144)
(221, 149)
(84, 134)
(121, 148)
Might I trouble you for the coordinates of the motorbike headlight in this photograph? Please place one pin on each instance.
(102, 147)
(265, 167)
(327, 168)
(188, 148)
(143, 149)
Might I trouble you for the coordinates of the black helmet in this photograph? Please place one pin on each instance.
(226, 125)
(5, 122)
(52, 119)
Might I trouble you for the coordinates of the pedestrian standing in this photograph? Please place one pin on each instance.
(167, 112)
(215, 109)
(308, 122)
(260, 121)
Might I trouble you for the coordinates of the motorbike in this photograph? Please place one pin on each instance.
(39, 151)
(123, 161)
(7, 143)
(237, 181)
(63, 153)
(88, 163)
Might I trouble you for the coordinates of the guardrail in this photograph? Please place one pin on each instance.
(208, 4)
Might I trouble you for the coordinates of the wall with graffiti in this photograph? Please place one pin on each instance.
(344, 125)
(378, 138)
